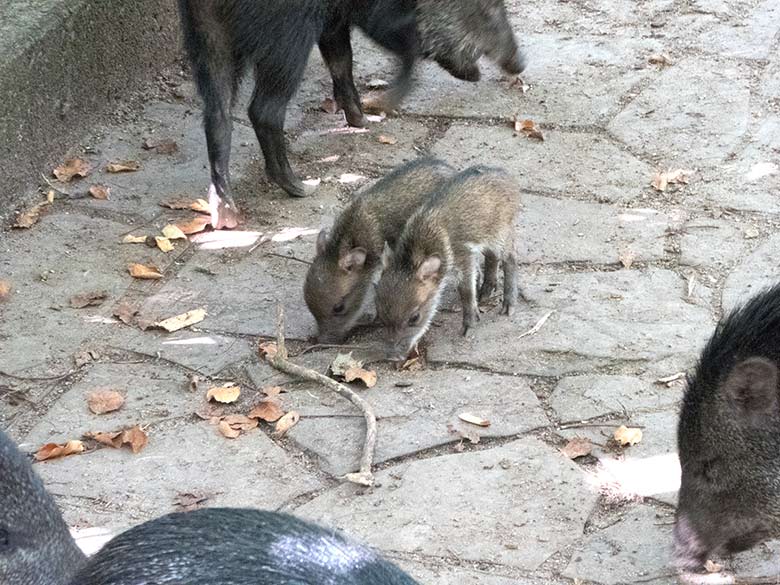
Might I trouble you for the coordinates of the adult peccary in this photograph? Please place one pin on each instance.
(729, 437)
(471, 215)
(340, 283)
(213, 546)
(275, 37)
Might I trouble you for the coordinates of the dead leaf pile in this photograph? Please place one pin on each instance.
(527, 127)
(345, 367)
(663, 179)
(134, 438)
(123, 166)
(577, 447)
(88, 299)
(54, 450)
(625, 436)
(72, 167)
(103, 401)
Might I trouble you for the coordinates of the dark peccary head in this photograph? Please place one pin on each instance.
(456, 33)
(729, 437)
(471, 215)
(36, 547)
(340, 283)
(274, 38)
(219, 546)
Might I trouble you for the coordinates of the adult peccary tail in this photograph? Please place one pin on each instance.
(36, 547)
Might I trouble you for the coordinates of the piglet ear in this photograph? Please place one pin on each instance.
(429, 269)
(751, 387)
(353, 259)
(322, 241)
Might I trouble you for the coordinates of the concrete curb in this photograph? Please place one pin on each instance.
(64, 63)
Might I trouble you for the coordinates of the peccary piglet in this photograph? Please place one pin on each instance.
(456, 33)
(729, 437)
(35, 545)
(213, 546)
(340, 283)
(471, 215)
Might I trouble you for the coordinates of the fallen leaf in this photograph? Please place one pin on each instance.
(134, 437)
(100, 191)
(241, 422)
(348, 178)
(29, 218)
(474, 419)
(103, 401)
(368, 377)
(626, 258)
(712, 567)
(627, 436)
(268, 349)
(376, 83)
(123, 166)
(329, 106)
(88, 299)
(287, 422)
(527, 127)
(144, 271)
(195, 225)
(272, 390)
(228, 431)
(659, 59)
(5, 290)
(384, 139)
(164, 244)
(199, 205)
(225, 394)
(189, 501)
(181, 321)
(172, 232)
(72, 167)
(341, 363)
(131, 239)
(577, 447)
(268, 409)
(164, 146)
(54, 450)
(661, 180)
(125, 312)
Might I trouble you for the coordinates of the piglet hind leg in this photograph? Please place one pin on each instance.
(467, 289)
(510, 280)
(489, 276)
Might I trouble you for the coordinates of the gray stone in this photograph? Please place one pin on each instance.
(757, 271)
(597, 317)
(566, 163)
(711, 243)
(693, 115)
(580, 398)
(757, 562)
(463, 576)
(484, 505)
(746, 38)
(635, 548)
(115, 487)
(412, 418)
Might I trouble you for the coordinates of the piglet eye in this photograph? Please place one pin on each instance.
(414, 319)
(339, 309)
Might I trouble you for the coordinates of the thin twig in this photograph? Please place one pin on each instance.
(286, 257)
(317, 346)
(38, 378)
(538, 326)
(280, 362)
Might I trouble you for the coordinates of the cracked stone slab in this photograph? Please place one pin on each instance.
(411, 418)
(597, 318)
(711, 243)
(515, 505)
(693, 115)
(637, 547)
(578, 398)
(751, 37)
(464, 576)
(753, 274)
(558, 164)
(113, 486)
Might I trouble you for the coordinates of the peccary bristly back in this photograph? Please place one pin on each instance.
(36, 547)
(216, 546)
(729, 437)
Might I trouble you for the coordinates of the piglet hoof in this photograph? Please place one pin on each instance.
(507, 309)
(224, 214)
(355, 118)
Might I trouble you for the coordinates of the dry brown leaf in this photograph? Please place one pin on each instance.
(54, 450)
(163, 243)
(527, 127)
(268, 409)
(125, 312)
(134, 437)
(712, 567)
(144, 271)
(181, 321)
(474, 419)
(29, 218)
(287, 422)
(659, 59)
(199, 205)
(123, 166)
(368, 377)
(164, 146)
(228, 431)
(88, 299)
(577, 447)
(385, 139)
(272, 390)
(268, 350)
(72, 167)
(342, 363)
(172, 232)
(5, 290)
(627, 436)
(188, 501)
(662, 180)
(225, 394)
(241, 422)
(100, 191)
(626, 258)
(103, 401)
(329, 106)
(131, 239)
(195, 225)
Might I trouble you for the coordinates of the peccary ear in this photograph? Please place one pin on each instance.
(322, 241)
(429, 269)
(751, 387)
(352, 259)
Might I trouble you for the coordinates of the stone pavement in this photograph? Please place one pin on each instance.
(632, 281)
